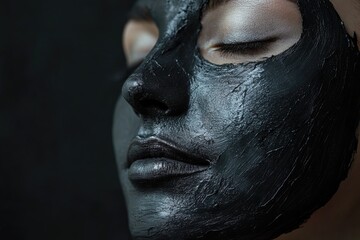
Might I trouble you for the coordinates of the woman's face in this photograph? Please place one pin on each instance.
(233, 124)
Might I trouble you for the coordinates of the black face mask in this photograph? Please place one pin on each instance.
(244, 151)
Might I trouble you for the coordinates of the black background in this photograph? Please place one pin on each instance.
(60, 67)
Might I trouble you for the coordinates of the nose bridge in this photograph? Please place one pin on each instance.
(166, 78)
(160, 86)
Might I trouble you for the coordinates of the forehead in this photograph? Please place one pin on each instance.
(168, 9)
(169, 15)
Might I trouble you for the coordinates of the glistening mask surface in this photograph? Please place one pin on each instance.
(278, 134)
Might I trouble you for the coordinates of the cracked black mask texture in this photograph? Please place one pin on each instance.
(279, 134)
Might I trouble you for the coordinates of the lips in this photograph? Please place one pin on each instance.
(155, 159)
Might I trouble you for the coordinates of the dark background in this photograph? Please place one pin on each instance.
(60, 67)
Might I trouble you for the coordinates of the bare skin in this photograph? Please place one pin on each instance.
(339, 219)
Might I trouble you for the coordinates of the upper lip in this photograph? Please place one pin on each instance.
(153, 147)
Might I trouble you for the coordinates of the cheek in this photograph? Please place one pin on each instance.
(248, 121)
(225, 105)
(125, 127)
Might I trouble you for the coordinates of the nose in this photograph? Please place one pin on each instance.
(158, 88)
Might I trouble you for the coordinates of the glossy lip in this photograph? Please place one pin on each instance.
(154, 159)
(154, 147)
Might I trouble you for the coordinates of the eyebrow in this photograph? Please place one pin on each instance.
(216, 3)
(142, 13)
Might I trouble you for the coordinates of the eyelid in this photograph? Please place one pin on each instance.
(244, 48)
(228, 32)
(264, 40)
(141, 46)
(139, 38)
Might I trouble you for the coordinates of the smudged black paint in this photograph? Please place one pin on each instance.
(280, 133)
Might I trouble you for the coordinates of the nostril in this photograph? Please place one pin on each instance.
(154, 105)
(145, 92)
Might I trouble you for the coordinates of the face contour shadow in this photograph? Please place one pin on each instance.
(235, 129)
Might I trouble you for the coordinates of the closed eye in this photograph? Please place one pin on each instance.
(244, 48)
(248, 30)
(139, 38)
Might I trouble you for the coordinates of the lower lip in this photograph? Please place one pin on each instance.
(160, 169)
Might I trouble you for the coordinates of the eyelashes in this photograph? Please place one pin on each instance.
(244, 48)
